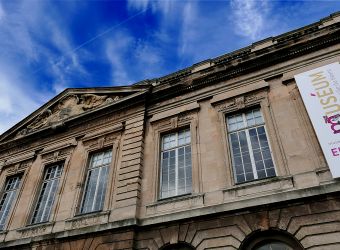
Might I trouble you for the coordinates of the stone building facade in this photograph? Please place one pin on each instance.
(220, 155)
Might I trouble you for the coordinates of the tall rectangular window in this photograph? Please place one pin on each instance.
(251, 155)
(7, 199)
(176, 177)
(47, 194)
(96, 181)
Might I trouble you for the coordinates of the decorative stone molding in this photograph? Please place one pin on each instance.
(241, 102)
(108, 132)
(18, 164)
(87, 220)
(19, 167)
(2, 164)
(176, 121)
(174, 112)
(238, 91)
(59, 146)
(103, 137)
(20, 158)
(100, 142)
(36, 230)
(258, 188)
(175, 204)
(58, 153)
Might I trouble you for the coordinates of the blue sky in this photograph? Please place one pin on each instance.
(47, 46)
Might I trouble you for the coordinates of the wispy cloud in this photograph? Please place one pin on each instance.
(250, 17)
(15, 104)
(117, 48)
(2, 12)
(28, 37)
(131, 59)
(163, 6)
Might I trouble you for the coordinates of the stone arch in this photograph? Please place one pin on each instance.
(178, 246)
(262, 239)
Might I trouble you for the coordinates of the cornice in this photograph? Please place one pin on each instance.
(260, 47)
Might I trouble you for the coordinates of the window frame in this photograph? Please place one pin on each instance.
(93, 143)
(246, 128)
(85, 180)
(38, 194)
(168, 123)
(61, 154)
(15, 199)
(161, 150)
(229, 103)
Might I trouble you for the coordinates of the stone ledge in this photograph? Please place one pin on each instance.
(86, 220)
(263, 186)
(175, 204)
(3, 235)
(36, 230)
(290, 195)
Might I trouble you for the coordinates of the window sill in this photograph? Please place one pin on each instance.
(258, 187)
(3, 234)
(88, 219)
(176, 203)
(36, 229)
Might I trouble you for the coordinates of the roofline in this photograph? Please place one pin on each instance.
(258, 45)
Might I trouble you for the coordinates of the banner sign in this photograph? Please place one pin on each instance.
(320, 91)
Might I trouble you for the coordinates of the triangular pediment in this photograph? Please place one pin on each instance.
(70, 104)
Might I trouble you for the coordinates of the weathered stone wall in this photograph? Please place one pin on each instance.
(312, 223)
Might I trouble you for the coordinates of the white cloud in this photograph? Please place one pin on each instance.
(139, 4)
(163, 6)
(147, 54)
(15, 104)
(250, 17)
(117, 48)
(189, 33)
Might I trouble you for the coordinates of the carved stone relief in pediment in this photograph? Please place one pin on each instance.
(71, 105)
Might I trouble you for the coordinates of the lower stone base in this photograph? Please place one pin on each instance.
(312, 223)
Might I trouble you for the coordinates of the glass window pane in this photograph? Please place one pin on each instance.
(249, 176)
(271, 172)
(239, 169)
(261, 174)
(240, 178)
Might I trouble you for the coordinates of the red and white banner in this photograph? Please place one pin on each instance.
(320, 91)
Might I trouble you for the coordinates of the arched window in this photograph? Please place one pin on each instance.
(271, 240)
(179, 246)
(273, 245)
